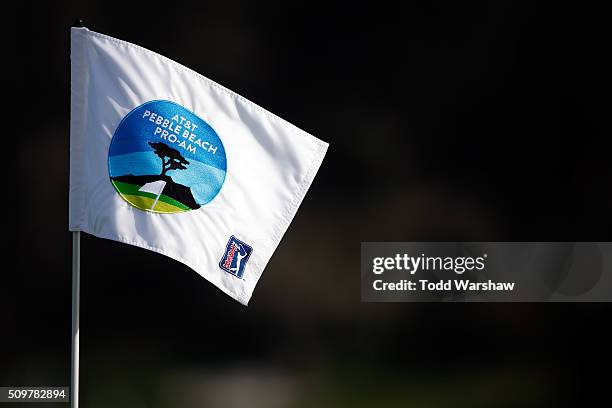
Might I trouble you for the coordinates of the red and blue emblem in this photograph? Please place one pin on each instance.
(236, 255)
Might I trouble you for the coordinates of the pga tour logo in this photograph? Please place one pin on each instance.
(236, 255)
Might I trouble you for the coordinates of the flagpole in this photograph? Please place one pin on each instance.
(76, 304)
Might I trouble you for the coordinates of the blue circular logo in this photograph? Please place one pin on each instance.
(163, 158)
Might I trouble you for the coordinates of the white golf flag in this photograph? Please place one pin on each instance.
(168, 160)
(156, 188)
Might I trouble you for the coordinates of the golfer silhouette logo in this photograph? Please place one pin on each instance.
(163, 158)
(235, 257)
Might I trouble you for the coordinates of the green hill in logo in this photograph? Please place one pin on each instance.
(175, 197)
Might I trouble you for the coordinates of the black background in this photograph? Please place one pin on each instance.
(446, 120)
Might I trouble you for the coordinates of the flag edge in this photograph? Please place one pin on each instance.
(281, 226)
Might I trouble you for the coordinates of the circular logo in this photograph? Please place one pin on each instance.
(163, 158)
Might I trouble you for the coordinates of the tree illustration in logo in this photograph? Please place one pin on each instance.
(171, 158)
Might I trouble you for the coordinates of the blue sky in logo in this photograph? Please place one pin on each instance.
(169, 123)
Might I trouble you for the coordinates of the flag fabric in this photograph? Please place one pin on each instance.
(165, 159)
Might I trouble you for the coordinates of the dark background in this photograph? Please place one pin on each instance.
(446, 121)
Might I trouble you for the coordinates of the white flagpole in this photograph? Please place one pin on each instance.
(76, 303)
(157, 198)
